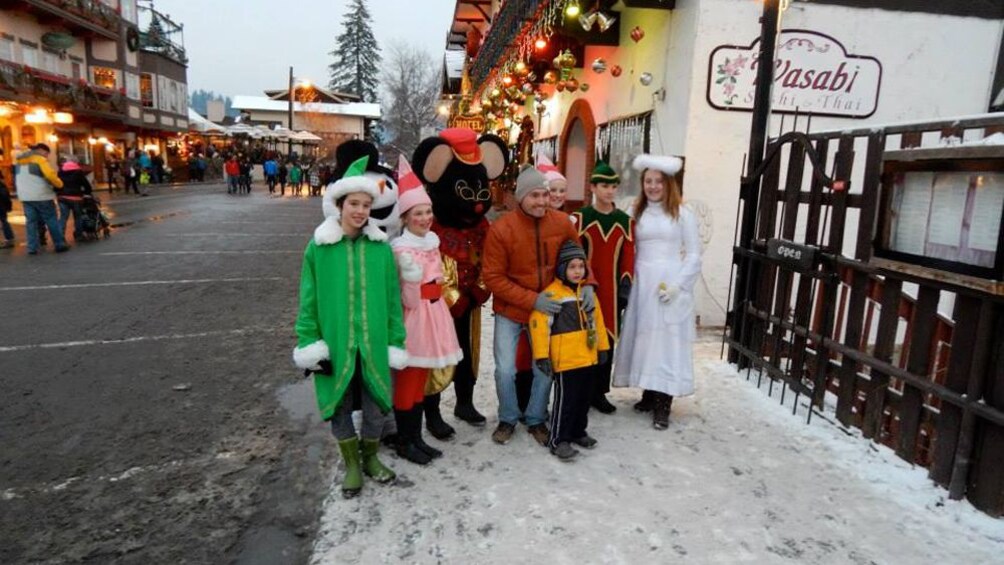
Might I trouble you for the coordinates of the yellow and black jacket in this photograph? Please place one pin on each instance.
(564, 337)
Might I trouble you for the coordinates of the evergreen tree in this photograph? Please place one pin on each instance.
(357, 56)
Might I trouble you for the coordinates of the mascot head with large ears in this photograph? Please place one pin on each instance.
(384, 213)
(456, 167)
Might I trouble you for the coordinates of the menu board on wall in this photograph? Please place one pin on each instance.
(944, 214)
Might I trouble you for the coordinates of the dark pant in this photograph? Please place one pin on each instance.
(463, 376)
(570, 410)
(601, 376)
(67, 207)
(8, 232)
(133, 183)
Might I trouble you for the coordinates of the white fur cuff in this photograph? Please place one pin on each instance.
(308, 356)
(665, 163)
(398, 357)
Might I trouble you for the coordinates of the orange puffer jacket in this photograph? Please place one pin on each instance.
(519, 257)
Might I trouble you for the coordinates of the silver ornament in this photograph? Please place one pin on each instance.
(645, 79)
(599, 66)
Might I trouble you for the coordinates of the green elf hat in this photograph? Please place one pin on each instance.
(604, 174)
(355, 181)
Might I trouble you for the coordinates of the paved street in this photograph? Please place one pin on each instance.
(142, 380)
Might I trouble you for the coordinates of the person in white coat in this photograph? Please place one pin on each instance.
(657, 339)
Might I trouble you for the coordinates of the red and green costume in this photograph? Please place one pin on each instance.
(609, 243)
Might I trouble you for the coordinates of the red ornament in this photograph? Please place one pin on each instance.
(616, 70)
(637, 34)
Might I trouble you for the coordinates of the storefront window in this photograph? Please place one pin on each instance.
(105, 77)
(619, 142)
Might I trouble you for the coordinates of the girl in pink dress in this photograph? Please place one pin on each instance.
(432, 340)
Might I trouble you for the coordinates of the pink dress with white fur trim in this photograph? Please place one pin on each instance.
(432, 340)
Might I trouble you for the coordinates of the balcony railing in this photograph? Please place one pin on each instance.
(27, 84)
(93, 15)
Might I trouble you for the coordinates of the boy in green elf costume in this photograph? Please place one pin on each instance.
(350, 329)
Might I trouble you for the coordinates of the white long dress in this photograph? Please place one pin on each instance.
(655, 351)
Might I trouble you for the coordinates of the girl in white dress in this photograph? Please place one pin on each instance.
(657, 340)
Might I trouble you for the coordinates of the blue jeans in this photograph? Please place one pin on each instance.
(8, 232)
(65, 209)
(232, 184)
(45, 211)
(506, 337)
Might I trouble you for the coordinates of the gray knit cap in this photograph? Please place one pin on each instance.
(529, 179)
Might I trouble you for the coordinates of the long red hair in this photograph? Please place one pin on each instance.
(672, 196)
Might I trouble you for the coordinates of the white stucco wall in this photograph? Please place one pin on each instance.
(933, 66)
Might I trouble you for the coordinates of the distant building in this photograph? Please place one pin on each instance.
(89, 78)
(334, 116)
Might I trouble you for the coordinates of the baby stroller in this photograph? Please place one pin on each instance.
(92, 220)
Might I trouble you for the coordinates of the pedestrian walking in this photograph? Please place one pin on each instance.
(296, 178)
(233, 170)
(282, 173)
(131, 170)
(271, 170)
(520, 254)
(350, 331)
(6, 206)
(112, 169)
(657, 341)
(568, 346)
(606, 234)
(432, 340)
(71, 197)
(157, 170)
(245, 175)
(36, 183)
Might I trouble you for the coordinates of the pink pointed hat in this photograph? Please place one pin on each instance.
(411, 192)
(551, 172)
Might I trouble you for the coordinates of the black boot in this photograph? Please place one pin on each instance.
(463, 386)
(646, 403)
(416, 415)
(406, 448)
(434, 419)
(660, 412)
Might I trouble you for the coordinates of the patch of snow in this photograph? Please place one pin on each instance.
(735, 478)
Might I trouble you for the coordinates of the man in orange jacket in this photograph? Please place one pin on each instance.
(520, 254)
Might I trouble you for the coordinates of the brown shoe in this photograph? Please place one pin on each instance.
(540, 433)
(503, 433)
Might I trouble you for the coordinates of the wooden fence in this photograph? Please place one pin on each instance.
(929, 385)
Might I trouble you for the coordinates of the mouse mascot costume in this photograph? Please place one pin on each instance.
(384, 213)
(456, 167)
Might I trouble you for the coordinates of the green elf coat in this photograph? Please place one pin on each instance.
(350, 301)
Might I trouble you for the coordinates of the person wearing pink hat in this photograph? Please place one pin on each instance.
(431, 340)
(75, 187)
(557, 184)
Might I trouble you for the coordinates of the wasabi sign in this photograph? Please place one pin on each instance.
(813, 73)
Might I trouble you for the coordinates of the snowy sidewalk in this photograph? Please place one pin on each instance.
(736, 478)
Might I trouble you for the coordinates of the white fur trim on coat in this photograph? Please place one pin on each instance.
(428, 242)
(308, 356)
(349, 185)
(397, 357)
(330, 232)
(665, 163)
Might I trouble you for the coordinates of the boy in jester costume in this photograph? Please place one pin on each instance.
(607, 234)
(350, 328)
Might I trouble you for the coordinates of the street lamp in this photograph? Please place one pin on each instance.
(292, 96)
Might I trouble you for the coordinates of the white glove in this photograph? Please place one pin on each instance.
(410, 270)
(668, 294)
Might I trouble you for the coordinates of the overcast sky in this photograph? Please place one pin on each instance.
(246, 46)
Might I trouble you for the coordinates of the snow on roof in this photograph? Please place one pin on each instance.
(198, 123)
(361, 109)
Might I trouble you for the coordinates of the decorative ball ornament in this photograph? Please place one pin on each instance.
(567, 60)
(496, 93)
(527, 89)
(584, 87)
(599, 66)
(531, 77)
(486, 104)
(572, 85)
(521, 68)
(645, 79)
(616, 70)
(556, 62)
(550, 77)
(560, 86)
(637, 34)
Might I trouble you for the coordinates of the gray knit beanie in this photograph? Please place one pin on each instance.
(529, 179)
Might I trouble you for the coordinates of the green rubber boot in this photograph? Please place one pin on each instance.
(353, 481)
(372, 466)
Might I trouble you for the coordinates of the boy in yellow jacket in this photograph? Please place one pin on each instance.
(568, 346)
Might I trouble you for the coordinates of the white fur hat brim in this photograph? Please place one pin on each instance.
(665, 163)
(354, 184)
